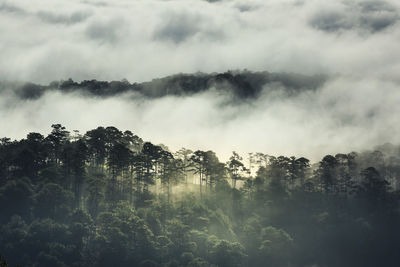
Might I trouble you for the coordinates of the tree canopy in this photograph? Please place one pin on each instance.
(106, 197)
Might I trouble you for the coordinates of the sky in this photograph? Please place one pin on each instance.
(356, 43)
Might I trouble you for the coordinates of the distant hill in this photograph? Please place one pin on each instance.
(240, 84)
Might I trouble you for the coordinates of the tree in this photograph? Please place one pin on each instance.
(213, 169)
(226, 254)
(55, 140)
(199, 160)
(344, 179)
(16, 197)
(302, 169)
(53, 202)
(96, 142)
(30, 156)
(171, 172)
(275, 246)
(96, 185)
(95, 200)
(82, 229)
(6, 150)
(235, 168)
(373, 187)
(123, 237)
(133, 142)
(151, 155)
(118, 163)
(73, 158)
(184, 154)
(327, 174)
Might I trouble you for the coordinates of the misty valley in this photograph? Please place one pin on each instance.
(196, 133)
(108, 198)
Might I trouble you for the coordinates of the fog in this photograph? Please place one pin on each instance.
(45, 40)
(355, 43)
(342, 115)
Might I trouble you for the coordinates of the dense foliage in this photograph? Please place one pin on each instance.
(107, 198)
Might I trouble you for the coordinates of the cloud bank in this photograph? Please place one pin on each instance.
(354, 43)
(339, 115)
(46, 40)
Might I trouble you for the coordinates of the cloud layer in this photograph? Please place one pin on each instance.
(46, 40)
(353, 42)
(341, 115)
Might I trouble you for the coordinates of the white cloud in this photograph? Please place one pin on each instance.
(140, 40)
(46, 40)
(345, 114)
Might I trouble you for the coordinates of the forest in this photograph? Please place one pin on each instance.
(241, 84)
(109, 198)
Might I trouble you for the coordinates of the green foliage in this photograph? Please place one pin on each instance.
(54, 201)
(106, 198)
(275, 245)
(225, 253)
(16, 197)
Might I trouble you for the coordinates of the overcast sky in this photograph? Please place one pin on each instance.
(357, 42)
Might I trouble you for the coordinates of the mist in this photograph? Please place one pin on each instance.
(142, 40)
(342, 114)
(132, 130)
(352, 42)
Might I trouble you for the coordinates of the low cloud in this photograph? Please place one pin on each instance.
(142, 40)
(355, 43)
(341, 115)
(370, 16)
(9, 8)
(178, 28)
(105, 31)
(75, 17)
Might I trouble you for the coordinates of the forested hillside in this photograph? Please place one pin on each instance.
(108, 198)
(240, 84)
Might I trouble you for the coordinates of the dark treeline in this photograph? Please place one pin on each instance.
(107, 198)
(241, 84)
